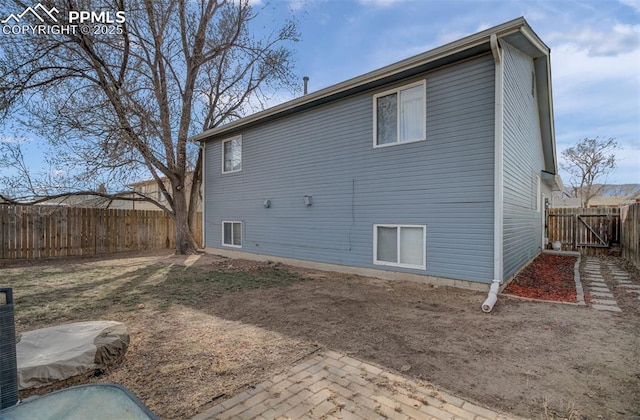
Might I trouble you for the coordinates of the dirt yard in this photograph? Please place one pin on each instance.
(210, 328)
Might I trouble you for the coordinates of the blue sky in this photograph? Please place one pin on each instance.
(595, 53)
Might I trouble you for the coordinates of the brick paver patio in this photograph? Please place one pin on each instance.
(330, 385)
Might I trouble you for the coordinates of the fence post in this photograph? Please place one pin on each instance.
(575, 232)
(630, 233)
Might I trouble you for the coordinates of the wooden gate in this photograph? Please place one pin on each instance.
(588, 230)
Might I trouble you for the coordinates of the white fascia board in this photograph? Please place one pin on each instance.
(551, 115)
(545, 52)
(534, 40)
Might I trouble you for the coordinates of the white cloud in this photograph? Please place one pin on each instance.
(575, 65)
(628, 167)
(620, 39)
(611, 81)
(482, 26)
(383, 3)
(596, 89)
(449, 36)
(634, 4)
(297, 5)
(534, 15)
(253, 3)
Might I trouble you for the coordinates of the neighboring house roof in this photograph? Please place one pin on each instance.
(597, 201)
(517, 32)
(83, 201)
(164, 179)
(147, 182)
(563, 201)
(151, 188)
(611, 201)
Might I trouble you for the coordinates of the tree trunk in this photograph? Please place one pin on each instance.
(185, 242)
(194, 199)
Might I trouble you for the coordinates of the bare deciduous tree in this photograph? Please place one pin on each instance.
(623, 189)
(589, 161)
(111, 104)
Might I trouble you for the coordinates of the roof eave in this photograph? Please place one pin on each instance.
(545, 110)
(469, 42)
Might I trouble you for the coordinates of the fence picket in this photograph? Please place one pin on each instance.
(47, 231)
(630, 233)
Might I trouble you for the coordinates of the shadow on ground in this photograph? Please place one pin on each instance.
(532, 359)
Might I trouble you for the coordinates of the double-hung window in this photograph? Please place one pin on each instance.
(232, 155)
(232, 234)
(400, 245)
(399, 115)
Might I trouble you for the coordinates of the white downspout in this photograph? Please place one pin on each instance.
(498, 195)
(203, 145)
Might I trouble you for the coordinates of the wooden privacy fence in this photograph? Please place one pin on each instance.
(630, 233)
(588, 230)
(31, 232)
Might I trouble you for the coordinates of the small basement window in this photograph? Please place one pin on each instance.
(400, 245)
(399, 115)
(232, 155)
(232, 234)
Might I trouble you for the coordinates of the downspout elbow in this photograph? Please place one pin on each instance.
(492, 298)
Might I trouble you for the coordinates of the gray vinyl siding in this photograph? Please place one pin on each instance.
(445, 182)
(523, 161)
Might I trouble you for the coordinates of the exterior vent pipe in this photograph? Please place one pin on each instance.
(306, 84)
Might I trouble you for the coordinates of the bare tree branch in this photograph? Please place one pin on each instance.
(118, 105)
(591, 160)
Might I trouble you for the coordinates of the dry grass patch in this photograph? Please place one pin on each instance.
(181, 359)
(211, 328)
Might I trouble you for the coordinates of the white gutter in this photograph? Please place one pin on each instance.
(498, 194)
(451, 48)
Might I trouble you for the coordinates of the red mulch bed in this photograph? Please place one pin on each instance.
(548, 277)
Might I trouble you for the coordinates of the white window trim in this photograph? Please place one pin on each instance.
(241, 232)
(241, 152)
(423, 266)
(397, 91)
